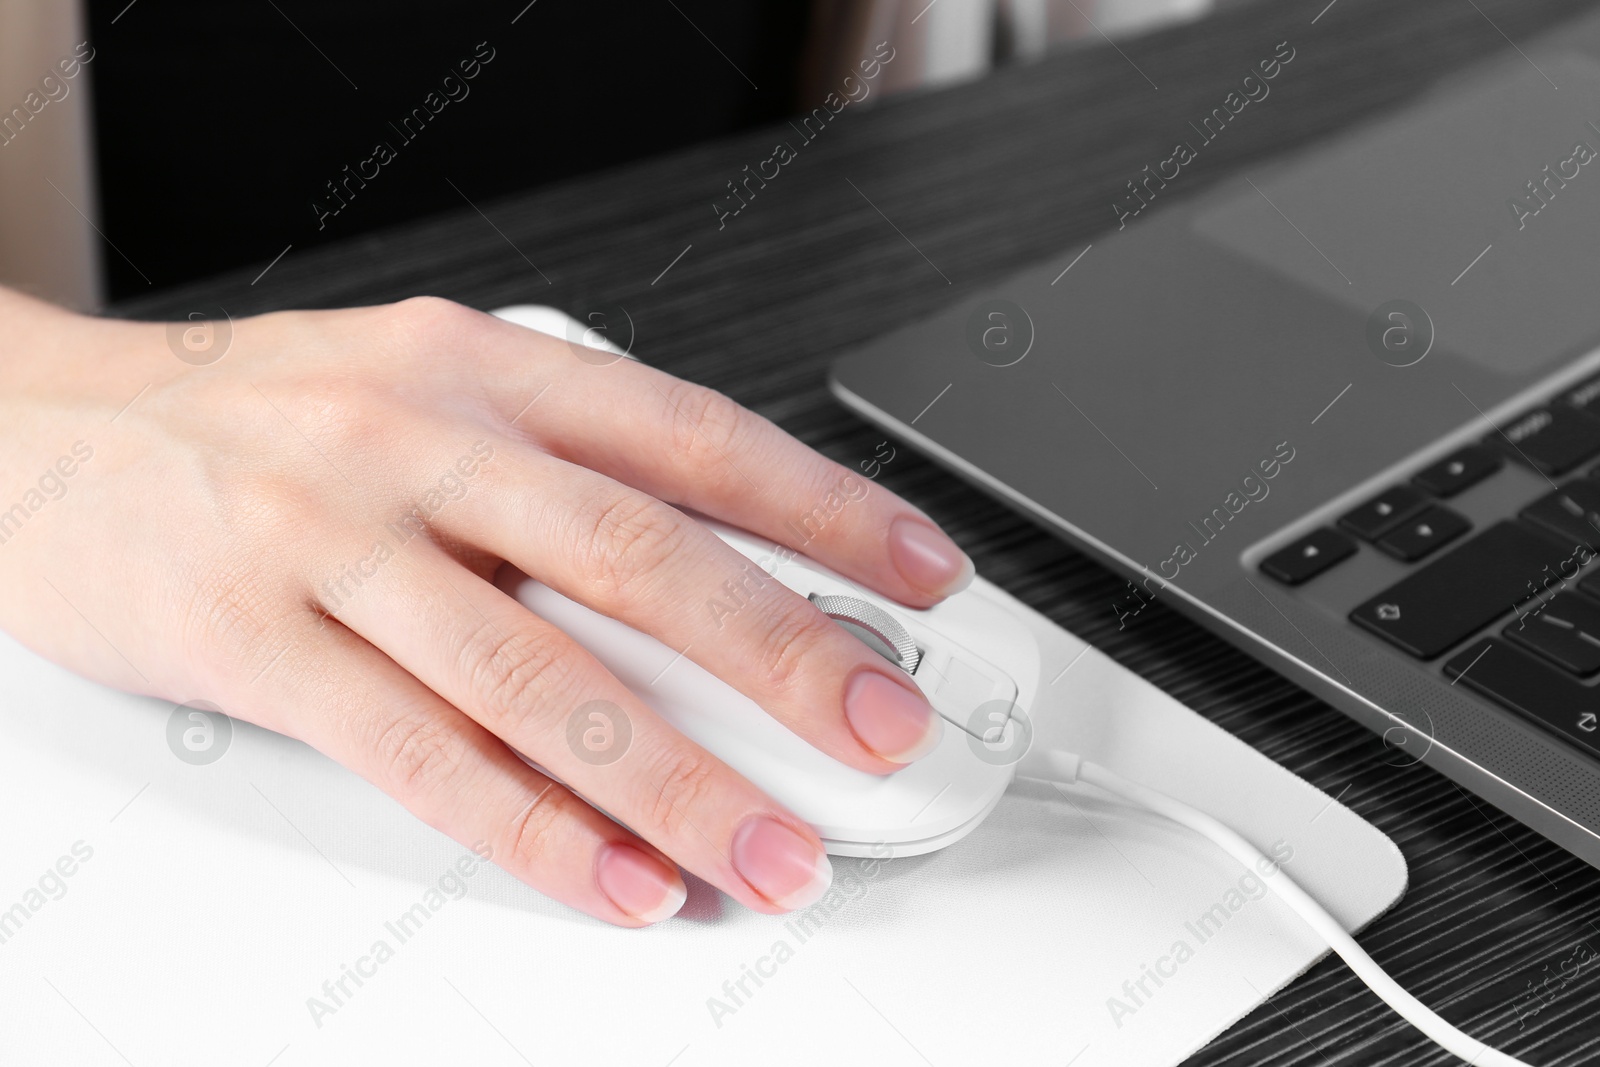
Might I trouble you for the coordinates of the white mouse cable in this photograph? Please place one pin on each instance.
(1064, 768)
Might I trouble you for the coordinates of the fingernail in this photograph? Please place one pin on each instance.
(780, 864)
(638, 884)
(927, 559)
(890, 719)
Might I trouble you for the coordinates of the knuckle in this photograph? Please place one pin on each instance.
(420, 753)
(337, 413)
(421, 324)
(785, 640)
(706, 424)
(268, 503)
(227, 609)
(514, 675)
(430, 312)
(536, 827)
(632, 535)
(682, 785)
(239, 612)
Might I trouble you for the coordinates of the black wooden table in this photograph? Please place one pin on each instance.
(890, 214)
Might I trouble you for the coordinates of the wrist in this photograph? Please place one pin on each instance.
(54, 358)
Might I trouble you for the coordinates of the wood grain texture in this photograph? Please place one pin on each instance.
(983, 179)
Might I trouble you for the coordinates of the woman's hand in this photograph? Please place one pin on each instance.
(306, 531)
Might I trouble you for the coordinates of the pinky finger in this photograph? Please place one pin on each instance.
(382, 723)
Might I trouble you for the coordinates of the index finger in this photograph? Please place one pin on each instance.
(692, 446)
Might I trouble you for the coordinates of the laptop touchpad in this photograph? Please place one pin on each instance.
(1482, 208)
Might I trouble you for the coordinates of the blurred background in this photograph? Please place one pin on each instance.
(193, 138)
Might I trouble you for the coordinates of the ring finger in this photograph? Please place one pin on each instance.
(523, 680)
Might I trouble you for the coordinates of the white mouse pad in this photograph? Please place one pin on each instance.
(271, 908)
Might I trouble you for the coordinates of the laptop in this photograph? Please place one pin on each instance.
(1343, 410)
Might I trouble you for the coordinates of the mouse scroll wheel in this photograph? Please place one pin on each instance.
(874, 627)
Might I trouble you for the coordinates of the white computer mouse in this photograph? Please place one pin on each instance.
(975, 661)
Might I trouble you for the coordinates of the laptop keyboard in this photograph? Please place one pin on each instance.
(1447, 601)
(1550, 698)
(1539, 663)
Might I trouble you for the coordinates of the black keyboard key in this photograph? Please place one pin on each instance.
(1462, 591)
(1308, 557)
(1585, 397)
(1556, 701)
(1459, 470)
(1564, 630)
(1551, 440)
(1571, 513)
(1417, 536)
(1384, 512)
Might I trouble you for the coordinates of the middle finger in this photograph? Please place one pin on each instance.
(628, 555)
